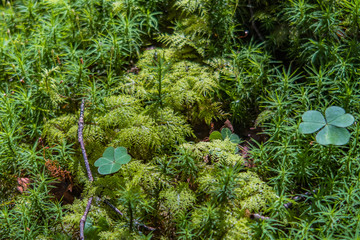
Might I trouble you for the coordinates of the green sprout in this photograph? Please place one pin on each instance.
(225, 133)
(333, 126)
(112, 160)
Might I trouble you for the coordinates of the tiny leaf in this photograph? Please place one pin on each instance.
(109, 153)
(343, 120)
(109, 168)
(215, 135)
(234, 138)
(313, 117)
(331, 113)
(225, 132)
(102, 161)
(309, 127)
(333, 135)
(121, 156)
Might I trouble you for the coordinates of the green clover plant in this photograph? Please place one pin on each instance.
(112, 160)
(333, 126)
(225, 133)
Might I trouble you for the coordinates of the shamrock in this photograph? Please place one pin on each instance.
(112, 160)
(333, 126)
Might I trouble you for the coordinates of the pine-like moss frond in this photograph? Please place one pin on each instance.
(122, 110)
(177, 200)
(217, 151)
(55, 130)
(180, 40)
(141, 141)
(191, 6)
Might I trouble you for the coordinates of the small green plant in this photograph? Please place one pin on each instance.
(112, 160)
(333, 125)
(225, 133)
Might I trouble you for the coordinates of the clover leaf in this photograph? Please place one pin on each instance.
(225, 133)
(112, 160)
(332, 126)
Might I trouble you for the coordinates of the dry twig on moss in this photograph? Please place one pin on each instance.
(83, 150)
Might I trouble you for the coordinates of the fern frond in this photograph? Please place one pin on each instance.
(141, 141)
(172, 128)
(177, 200)
(122, 110)
(180, 40)
(191, 6)
(55, 130)
(50, 87)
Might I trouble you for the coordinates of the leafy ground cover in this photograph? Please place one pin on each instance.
(200, 119)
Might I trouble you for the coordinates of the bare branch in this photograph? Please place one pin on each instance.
(258, 216)
(300, 197)
(83, 218)
(135, 221)
(83, 150)
(253, 22)
(81, 140)
(113, 207)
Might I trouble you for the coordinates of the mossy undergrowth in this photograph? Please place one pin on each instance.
(176, 186)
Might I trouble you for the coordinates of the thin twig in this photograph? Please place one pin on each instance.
(83, 218)
(300, 197)
(83, 150)
(258, 216)
(81, 140)
(113, 207)
(253, 22)
(135, 221)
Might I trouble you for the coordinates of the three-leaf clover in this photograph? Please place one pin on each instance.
(332, 126)
(112, 160)
(225, 133)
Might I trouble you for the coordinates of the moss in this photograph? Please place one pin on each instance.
(177, 200)
(94, 139)
(141, 141)
(253, 194)
(148, 136)
(187, 87)
(147, 58)
(238, 228)
(216, 152)
(55, 130)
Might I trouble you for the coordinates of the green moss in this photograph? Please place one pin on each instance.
(253, 194)
(141, 141)
(94, 139)
(238, 228)
(55, 130)
(215, 152)
(187, 87)
(177, 199)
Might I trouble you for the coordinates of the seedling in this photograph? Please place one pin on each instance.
(225, 133)
(112, 160)
(333, 126)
